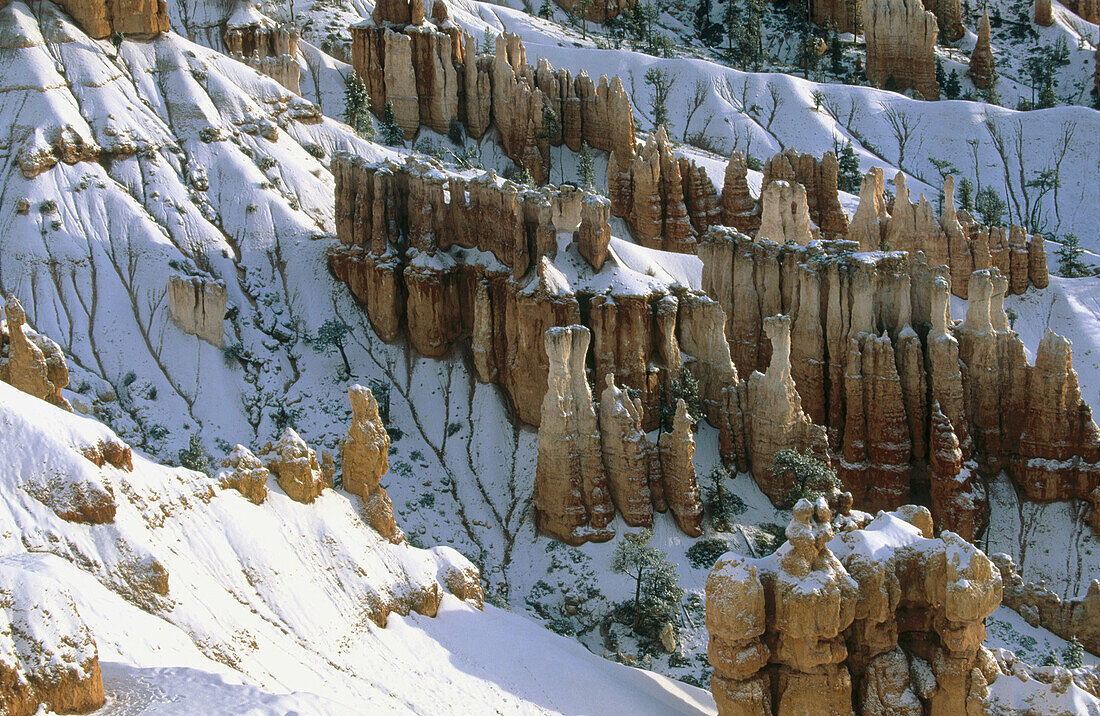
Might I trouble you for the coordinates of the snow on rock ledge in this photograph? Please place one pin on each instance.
(47, 654)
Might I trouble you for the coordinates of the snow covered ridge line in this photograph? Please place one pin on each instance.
(71, 113)
(874, 614)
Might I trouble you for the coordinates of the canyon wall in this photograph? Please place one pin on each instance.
(271, 50)
(873, 371)
(901, 40)
(410, 253)
(599, 11)
(430, 71)
(140, 19)
(588, 467)
(879, 620)
(875, 357)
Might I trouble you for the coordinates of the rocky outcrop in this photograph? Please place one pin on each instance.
(1059, 444)
(427, 67)
(439, 292)
(901, 38)
(571, 498)
(1040, 607)
(883, 619)
(868, 227)
(946, 240)
(738, 208)
(625, 454)
(949, 16)
(983, 68)
(600, 11)
(784, 215)
(660, 194)
(48, 657)
(295, 466)
(269, 49)
(140, 19)
(975, 372)
(819, 179)
(1087, 10)
(681, 489)
(877, 445)
(30, 361)
(197, 306)
(364, 458)
(1044, 13)
(774, 419)
(244, 472)
(843, 13)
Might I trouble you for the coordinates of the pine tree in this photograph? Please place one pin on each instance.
(1073, 656)
(333, 333)
(1047, 98)
(546, 10)
(194, 457)
(657, 592)
(390, 130)
(588, 173)
(685, 388)
(964, 192)
(941, 75)
(991, 206)
(836, 51)
(951, 87)
(702, 18)
(808, 476)
(1069, 253)
(357, 106)
(847, 177)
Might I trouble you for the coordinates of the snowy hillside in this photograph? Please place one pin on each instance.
(178, 160)
(200, 600)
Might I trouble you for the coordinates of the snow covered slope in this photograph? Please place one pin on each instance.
(200, 600)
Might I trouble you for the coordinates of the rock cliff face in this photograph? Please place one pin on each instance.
(681, 489)
(819, 179)
(428, 68)
(364, 457)
(845, 14)
(874, 354)
(947, 240)
(1039, 606)
(600, 11)
(949, 16)
(1088, 10)
(405, 255)
(272, 50)
(626, 454)
(1044, 14)
(100, 19)
(874, 351)
(738, 209)
(880, 620)
(30, 361)
(666, 201)
(571, 496)
(774, 419)
(48, 658)
(197, 306)
(983, 68)
(296, 467)
(901, 37)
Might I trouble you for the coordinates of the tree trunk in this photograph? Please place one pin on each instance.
(637, 598)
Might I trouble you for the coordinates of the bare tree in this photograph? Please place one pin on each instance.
(904, 126)
(702, 89)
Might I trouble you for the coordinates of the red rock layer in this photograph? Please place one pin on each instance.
(901, 40)
(431, 73)
(858, 634)
(983, 68)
